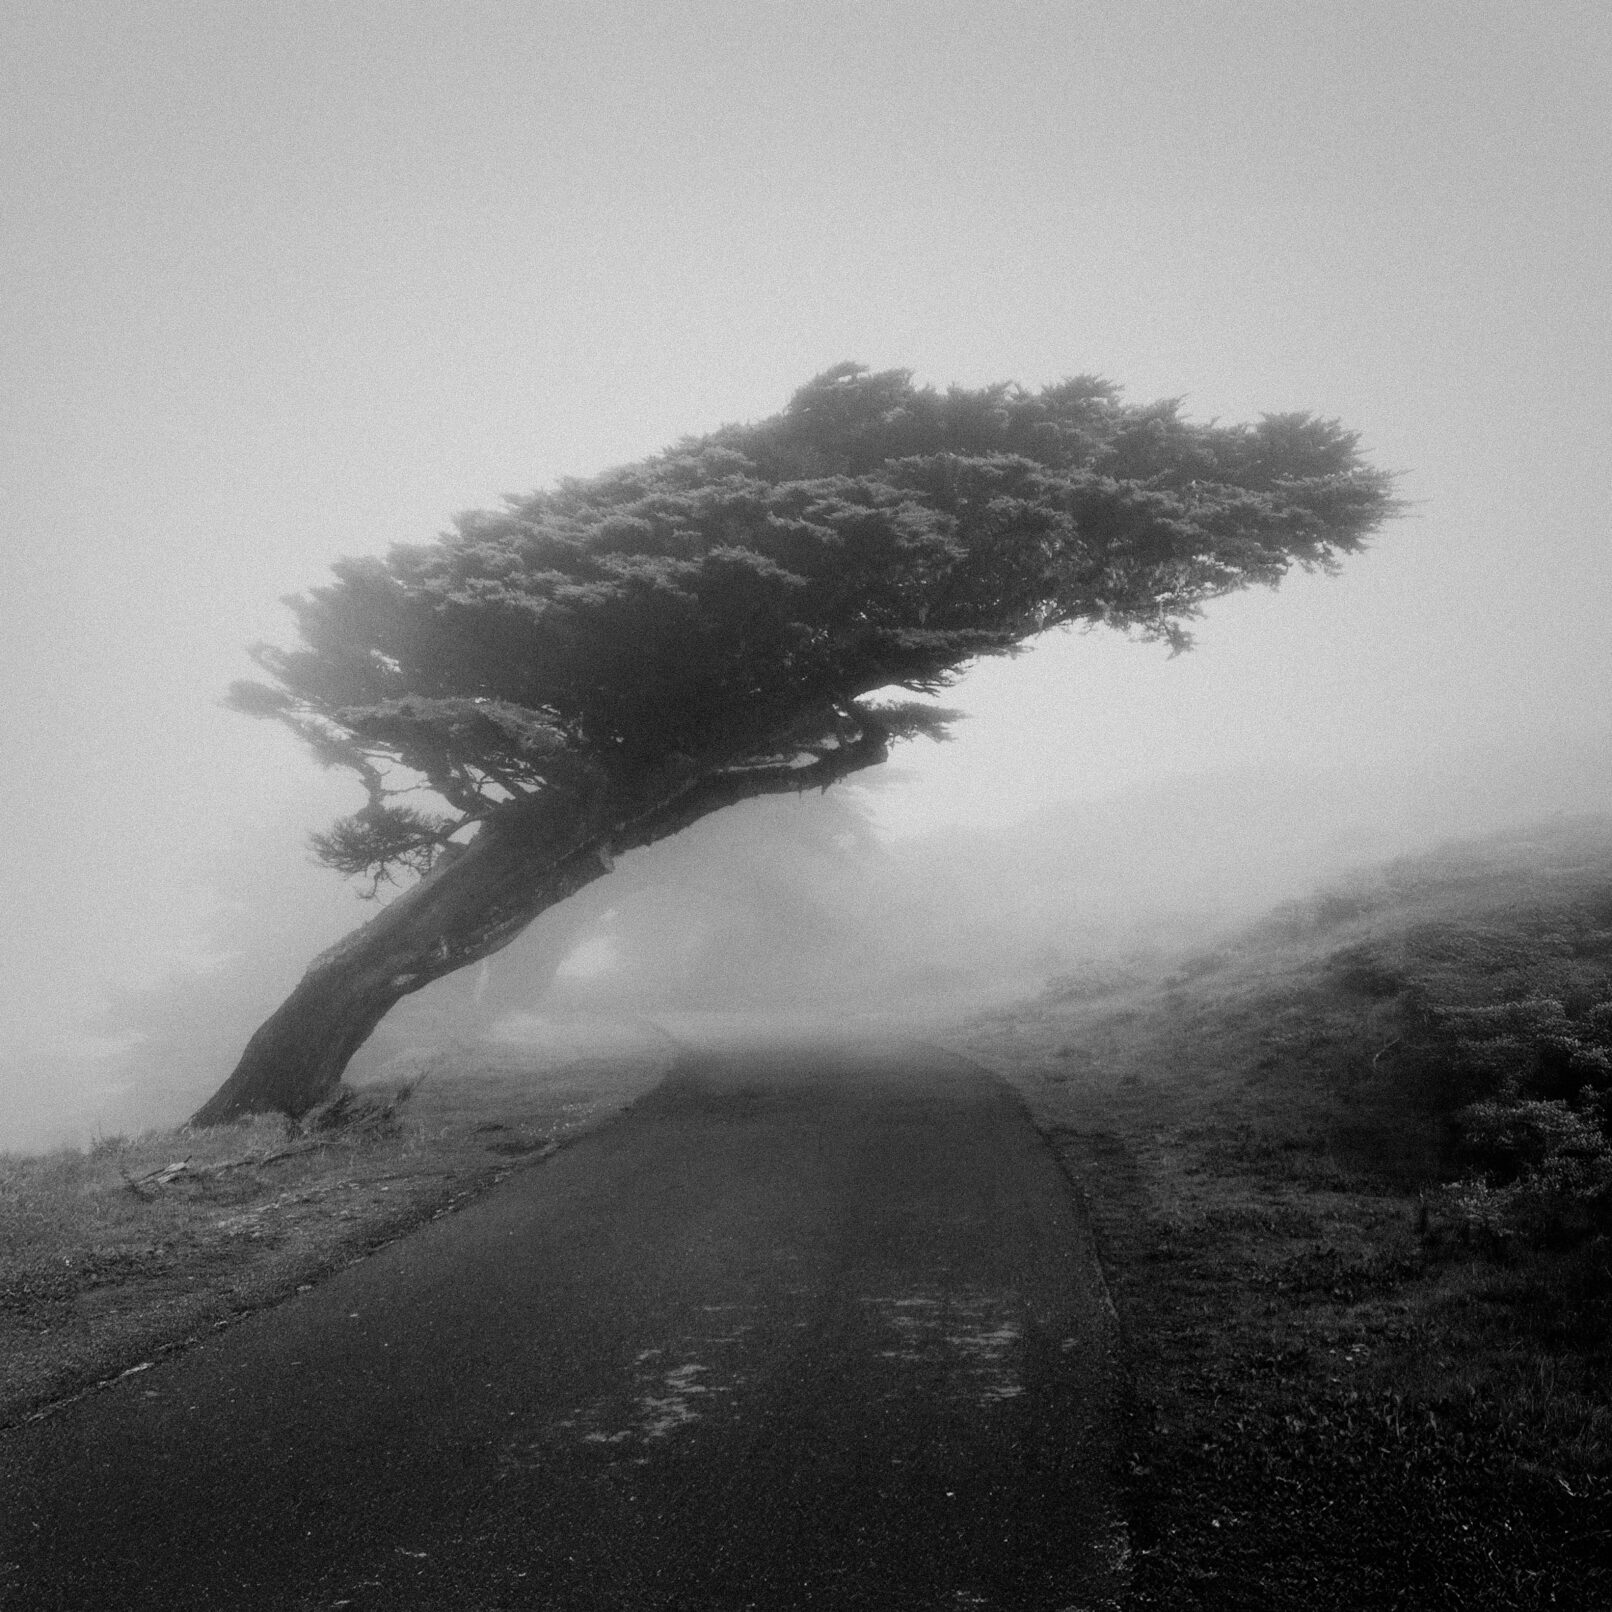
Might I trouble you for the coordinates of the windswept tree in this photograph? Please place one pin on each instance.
(597, 666)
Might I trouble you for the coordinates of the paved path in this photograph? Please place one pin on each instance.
(804, 1328)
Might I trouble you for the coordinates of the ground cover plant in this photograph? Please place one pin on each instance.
(113, 1255)
(1346, 1172)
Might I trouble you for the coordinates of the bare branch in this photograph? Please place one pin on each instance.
(728, 787)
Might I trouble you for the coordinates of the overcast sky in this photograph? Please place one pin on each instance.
(293, 280)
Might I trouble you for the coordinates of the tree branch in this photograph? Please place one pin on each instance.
(713, 791)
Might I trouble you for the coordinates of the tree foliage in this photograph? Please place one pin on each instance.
(597, 666)
(725, 610)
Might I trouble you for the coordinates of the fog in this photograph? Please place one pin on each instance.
(800, 907)
(286, 283)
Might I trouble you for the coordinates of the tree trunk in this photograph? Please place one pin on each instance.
(468, 908)
(523, 860)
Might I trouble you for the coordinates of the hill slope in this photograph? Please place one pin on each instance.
(1361, 1381)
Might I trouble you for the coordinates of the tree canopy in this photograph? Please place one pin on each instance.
(720, 614)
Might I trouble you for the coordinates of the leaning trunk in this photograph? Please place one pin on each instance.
(522, 861)
(468, 908)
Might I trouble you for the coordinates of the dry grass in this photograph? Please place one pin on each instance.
(1335, 1408)
(108, 1257)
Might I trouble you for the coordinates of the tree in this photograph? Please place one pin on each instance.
(594, 667)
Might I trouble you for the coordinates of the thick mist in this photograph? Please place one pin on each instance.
(286, 283)
(802, 906)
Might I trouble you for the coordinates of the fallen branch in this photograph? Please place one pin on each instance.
(184, 1170)
(160, 1177)
(347, 1114)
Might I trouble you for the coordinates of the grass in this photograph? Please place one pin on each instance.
(1342, 1398)
(1339, 1403)
(109, 1257)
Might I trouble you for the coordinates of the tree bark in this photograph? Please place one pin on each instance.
(467, 908)
(523, 860)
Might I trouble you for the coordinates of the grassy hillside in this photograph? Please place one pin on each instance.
(1349, 1174)
(1348, 1170)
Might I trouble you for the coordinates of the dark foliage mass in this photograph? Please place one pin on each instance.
(732, 602)
(1534, 1132)
(1505, 1028)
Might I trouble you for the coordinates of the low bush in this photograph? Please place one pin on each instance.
(1528, 1085)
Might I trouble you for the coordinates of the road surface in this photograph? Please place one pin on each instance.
(806, 1327)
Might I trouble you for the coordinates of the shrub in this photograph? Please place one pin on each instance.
(1530, 1087)
(1510, 1139)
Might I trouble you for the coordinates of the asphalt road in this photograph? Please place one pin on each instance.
(807, 1327)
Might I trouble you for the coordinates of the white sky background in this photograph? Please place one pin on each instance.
(287, 281)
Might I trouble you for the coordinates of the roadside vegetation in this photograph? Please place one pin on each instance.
(1351, 1178)
(1349, 1171)
(114, 1255)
